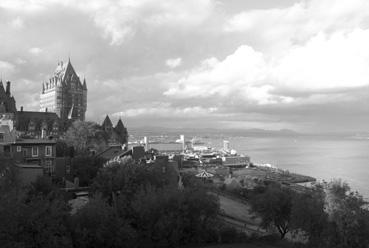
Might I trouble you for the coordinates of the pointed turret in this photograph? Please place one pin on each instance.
(84, 84)
(8, 88)
(2, 90)
(107, 124)
(121, 131)
(120, 126)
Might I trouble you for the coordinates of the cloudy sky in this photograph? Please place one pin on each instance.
(272, 64)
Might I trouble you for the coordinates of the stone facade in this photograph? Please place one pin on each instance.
(65, 94)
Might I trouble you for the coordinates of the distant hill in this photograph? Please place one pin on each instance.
(210, 131)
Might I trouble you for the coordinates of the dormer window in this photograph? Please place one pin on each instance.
(34, 151)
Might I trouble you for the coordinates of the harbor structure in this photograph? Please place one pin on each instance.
(64, 94)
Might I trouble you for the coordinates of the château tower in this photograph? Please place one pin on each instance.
(65, 94)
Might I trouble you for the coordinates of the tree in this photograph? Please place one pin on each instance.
(348, 217)
(308, 215)
(86, 168)
(82, 134)
(33, 222)
(274, 205)
(8, 175)
(98, 225)
(62, 149)
(129, 177)
(168, 217)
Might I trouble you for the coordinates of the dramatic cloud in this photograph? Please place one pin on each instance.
(230, 64)
(339, 60)
(120, 19)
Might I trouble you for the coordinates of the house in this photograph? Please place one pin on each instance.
(40, 152)
(7, 137)
(110, 152)
(31, 124)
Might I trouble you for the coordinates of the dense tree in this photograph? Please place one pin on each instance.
(128, 177)
(86, 167)
(61, 148)
(308, 215)
(83, 135)
(33, 222)
(274, 205)
(348, 217)
(160, 213)
(329, 214)
(8, 175)
(98, 225)
(169, 217)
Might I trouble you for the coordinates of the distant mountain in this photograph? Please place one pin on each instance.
(142, 131)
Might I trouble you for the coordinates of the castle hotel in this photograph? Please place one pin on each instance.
(63, 99)
(65, 94)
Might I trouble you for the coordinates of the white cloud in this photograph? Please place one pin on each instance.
(173, 63)
(120, 19)
(20, 61)
(339, 60)
(17, 23)
(278, 28)
(35, 50)
(326, 62)
(6, 68)
(240, 73)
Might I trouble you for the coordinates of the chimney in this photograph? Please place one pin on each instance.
(7, 88)
(43, 133)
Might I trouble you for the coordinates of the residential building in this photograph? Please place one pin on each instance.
(38, 125)
(40, 152)
(7, 137)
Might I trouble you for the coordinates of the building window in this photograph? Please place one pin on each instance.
(49, 167)
(1, 136)
(34, 151)
(19, 148)
(48, 151)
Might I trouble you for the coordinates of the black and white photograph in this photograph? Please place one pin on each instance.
(184, 123)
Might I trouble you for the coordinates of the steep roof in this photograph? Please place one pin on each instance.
(2, 90)
(63, 70)
(34, 141)
(120, 127)
(107, 122)
(84, 84)
(24, 117)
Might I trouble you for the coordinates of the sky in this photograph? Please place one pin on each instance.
(227, 64)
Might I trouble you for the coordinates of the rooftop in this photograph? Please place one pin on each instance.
(35, 141)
